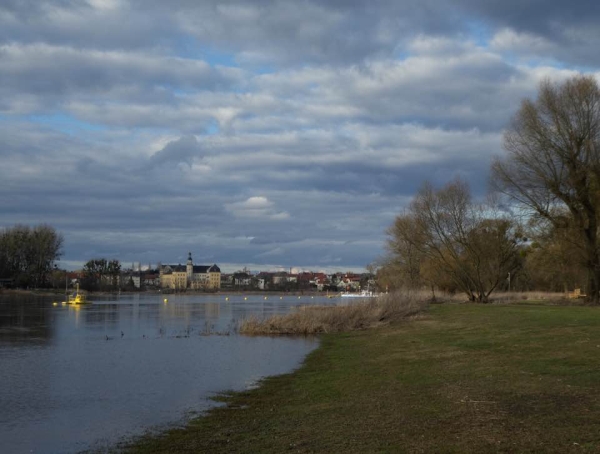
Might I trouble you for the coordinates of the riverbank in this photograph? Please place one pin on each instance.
(465, 378)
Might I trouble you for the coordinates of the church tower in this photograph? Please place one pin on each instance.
(189, 269)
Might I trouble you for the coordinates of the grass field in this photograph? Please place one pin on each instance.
(463, 378)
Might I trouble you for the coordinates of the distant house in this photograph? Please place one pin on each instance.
(226, 280)
(152, 279)
(280, 278)
(190, 276)
(131, 278)
(264, 280)
(242, 279)
(349, 281)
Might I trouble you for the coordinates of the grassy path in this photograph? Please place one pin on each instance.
(465, 378)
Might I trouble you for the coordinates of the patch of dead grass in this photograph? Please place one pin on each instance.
(352, 316)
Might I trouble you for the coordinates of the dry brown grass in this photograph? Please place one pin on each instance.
(349, 316)
(546, 297)
(500, 297)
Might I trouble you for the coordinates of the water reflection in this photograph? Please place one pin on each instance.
(80, 377)
(25, 319)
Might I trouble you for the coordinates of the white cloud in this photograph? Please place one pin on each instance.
(257, 207)
(508, 40)
(106, 4)
(272, 252)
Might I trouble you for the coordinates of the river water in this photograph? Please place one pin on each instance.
(77, 378)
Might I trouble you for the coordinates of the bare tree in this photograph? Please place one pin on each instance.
(469, 244)
(553, 163)
(406, 257)
(554, 259)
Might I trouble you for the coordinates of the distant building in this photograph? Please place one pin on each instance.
(226, 280)
(152, 278)
(242, 279)
(190, 276)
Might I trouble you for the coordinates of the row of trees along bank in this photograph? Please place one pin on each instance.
(550, 176)
(28, 254)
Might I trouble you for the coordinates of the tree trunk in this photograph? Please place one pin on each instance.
(592, 283)
(593, 266)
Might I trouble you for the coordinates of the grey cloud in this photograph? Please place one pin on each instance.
(318, 32)
(291, 33)
(40, 69)
(539, 16)
(66, 22)
(184, 150)
(570, 29)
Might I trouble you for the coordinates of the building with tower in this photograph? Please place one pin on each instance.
(190, 276)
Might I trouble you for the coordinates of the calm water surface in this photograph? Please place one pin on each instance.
(76, 378)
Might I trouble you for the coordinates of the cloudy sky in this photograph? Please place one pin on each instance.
(261, 133)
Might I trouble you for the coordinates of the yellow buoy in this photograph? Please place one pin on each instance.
(54, 303)
(165, 300)
(63, 303)
(245, 298)
(226, 298)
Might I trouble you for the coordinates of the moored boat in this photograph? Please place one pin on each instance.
(361, 294)
(78, 297)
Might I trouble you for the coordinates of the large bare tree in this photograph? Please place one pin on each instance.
(553, 163)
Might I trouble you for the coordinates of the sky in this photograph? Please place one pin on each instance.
(266, 134)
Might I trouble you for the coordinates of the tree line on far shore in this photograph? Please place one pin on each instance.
(28, 255)
(28, 258)
(539, 229)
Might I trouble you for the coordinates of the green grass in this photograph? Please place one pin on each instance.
(464, 378)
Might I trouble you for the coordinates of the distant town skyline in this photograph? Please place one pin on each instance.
(227, 268)
(261, 133)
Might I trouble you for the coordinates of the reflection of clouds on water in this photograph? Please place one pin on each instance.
(74, 388)
(25, 319)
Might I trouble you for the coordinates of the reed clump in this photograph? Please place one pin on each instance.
(355, 315)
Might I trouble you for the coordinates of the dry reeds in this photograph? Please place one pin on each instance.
(510, 297)
(354, 315)
(497, 297)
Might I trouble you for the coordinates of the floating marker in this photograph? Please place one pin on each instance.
(265, 297)
(226, 298)
(245, 298)
(55, 303)
(165, 300)
(281, 297)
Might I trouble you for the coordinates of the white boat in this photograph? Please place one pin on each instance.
(361, 294)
